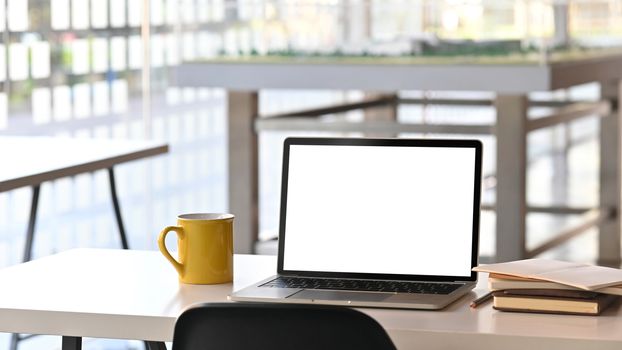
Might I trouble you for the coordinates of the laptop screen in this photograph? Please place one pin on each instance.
(380, 207)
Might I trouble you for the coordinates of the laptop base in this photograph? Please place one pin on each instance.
(255, 293)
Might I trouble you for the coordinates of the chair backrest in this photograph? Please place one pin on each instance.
(277, 326)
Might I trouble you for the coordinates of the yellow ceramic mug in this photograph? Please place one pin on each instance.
(205, 243)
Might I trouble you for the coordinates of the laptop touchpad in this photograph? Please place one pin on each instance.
(338, 295)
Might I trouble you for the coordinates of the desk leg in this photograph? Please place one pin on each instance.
(610, 173)
(30, 237)
(30, 232)
(511, 201)
(14, 341)
(385, 113)
(155, 345)
(243, 108)
(72, 343)
(117, 208)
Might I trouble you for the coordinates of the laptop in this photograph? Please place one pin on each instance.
(391, 223)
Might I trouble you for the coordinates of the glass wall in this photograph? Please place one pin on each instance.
(66, 62)
(106, 69)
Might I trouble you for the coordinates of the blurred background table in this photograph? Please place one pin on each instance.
(29, 161)
(511, 78)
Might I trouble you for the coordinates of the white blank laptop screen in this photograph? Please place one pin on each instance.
(380, 209)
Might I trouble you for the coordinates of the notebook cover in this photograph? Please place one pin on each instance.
(588, 277)
(599, 301)
(503, 282)
(562, 294)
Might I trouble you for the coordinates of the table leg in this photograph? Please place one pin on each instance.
(243, 108)
(14, 341)
(511, 204)
(72, 343)
(32, 220)
(30, 237)
(561, 146)
(610, 176)
(117, 208)
(386, 113)
(155, 345)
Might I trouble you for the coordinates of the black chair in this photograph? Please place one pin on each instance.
(277, 326)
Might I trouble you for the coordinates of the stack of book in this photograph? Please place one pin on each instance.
(549, 286)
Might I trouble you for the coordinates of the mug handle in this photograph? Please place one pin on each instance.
(180, 233)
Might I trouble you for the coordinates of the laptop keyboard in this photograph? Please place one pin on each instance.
(362, 285)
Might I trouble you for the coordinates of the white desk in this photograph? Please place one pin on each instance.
(136, 295)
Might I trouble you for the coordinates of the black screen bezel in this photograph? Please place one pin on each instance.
(441, 143)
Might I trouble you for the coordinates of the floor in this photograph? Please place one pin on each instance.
(193, 178)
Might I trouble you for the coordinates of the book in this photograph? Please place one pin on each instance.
(581, 276)
(502, 282)
(574, 302)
